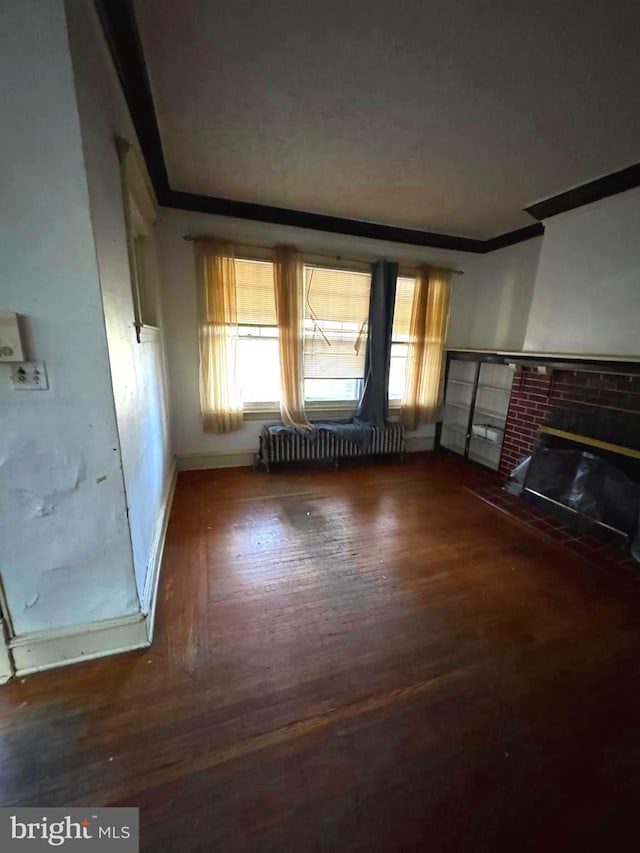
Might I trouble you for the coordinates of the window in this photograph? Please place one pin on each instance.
(400, 337)
(258, 360)
(145, 277)
(335, 334)
(140, 218)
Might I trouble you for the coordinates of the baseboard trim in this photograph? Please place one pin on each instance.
(152, 579)
(6, 662)
(419, 443)
(246, 458)
(49, 649)
(204, 461)
(31, 653)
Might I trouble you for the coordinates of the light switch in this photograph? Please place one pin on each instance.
(29, 376)
(10, 342)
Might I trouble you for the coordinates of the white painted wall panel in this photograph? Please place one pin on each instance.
(65, 553)
(490, 307)
(587, 294)
(137, 369)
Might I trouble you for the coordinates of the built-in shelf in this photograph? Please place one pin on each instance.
(487, 441)
(458, 449)
(455, 427)
(592, 442)
(489, 413)
(488, 461)
(502, 416)
(482, 376)
(482, 387)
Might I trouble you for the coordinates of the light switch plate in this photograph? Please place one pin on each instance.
(29, 376)
(10, 342)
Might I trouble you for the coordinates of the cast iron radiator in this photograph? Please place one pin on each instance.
(325, 446)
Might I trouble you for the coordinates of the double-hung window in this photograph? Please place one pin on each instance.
(405, 289)
(335, 335)
(258, 364)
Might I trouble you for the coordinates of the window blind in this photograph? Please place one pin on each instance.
(336, 311)
(405, 289)
(255, 302)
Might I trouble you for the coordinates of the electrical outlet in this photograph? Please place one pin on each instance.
(29, 376)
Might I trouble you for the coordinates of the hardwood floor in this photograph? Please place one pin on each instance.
(367, 659)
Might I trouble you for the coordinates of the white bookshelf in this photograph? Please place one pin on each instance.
(477, 392)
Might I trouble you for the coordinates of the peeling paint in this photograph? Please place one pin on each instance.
(70, 564)
(42, 474)
(44, 509)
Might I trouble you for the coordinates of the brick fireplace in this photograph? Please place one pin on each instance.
(535, 397)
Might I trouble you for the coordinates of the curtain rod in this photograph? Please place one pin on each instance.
(192, 239)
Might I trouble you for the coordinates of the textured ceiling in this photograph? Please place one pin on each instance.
(443, 116)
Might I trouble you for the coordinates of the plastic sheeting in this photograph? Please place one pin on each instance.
(593, 488)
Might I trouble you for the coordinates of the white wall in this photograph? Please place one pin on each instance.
(137, 369)
(65, 553)
(574, 290)
(490, 308)
(180, 302)
(587, 293)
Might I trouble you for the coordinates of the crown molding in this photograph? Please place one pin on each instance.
(616, 182)
(513, 237)
(320, 222)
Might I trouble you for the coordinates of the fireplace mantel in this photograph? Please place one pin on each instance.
(595, 362)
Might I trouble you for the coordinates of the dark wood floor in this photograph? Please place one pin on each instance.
(368, 659)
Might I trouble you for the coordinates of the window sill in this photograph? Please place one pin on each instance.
(314, 411)
(261, 414)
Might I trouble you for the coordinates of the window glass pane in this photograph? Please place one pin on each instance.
(259, 369)
(405, 289)
(258, 361)
(332, 390)
(397, 370)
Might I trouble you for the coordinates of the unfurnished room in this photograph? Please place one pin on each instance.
(319, 426)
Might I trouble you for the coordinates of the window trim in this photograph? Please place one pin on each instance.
(139, 221)
(272, 412)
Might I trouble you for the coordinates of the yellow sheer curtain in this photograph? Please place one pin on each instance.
(288, 276)
(220, 397)
(425, 360)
